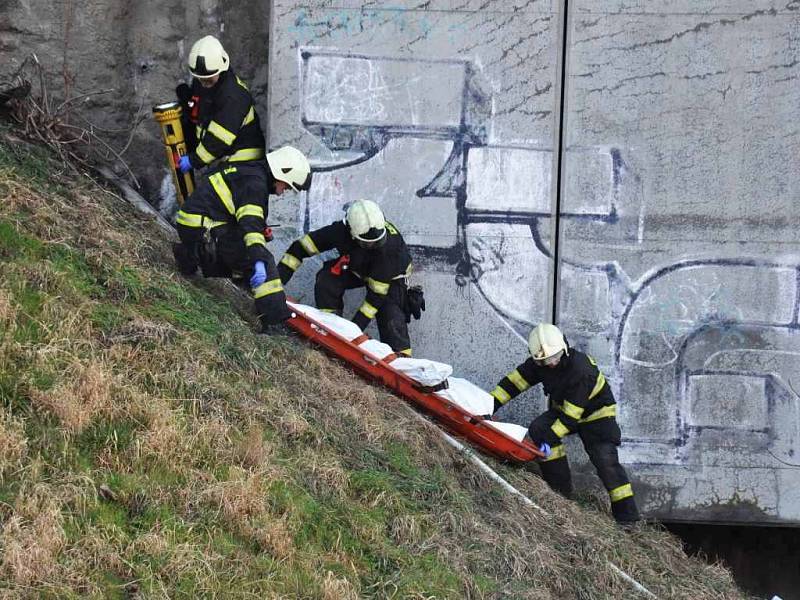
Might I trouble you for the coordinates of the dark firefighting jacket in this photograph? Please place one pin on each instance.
(378, 268)
(226, 123)
(576, 390)
(235, 196)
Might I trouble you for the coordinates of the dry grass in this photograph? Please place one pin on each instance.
(252, 450)
(13, 442)
(336, 588)
(84, 395)
(151, 446)
(239, 499)
(32, 537)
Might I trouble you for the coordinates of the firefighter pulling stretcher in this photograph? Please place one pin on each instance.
(372, 255)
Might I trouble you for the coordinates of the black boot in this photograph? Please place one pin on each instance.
(186, 260)
(280, 329)
(625, 513)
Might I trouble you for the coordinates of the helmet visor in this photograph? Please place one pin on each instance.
(373, 239)
(200, 70)
(302, 187)
(549, 361)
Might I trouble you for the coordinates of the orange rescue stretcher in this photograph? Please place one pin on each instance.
(451, 416)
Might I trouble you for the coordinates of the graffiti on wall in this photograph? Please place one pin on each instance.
(701, 351)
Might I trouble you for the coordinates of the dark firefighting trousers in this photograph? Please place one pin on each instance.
(223, 254)
(391, 317)
(600, 440)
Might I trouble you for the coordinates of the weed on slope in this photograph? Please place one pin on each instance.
(152, 446)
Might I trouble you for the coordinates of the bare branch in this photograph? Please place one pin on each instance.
(79, 147)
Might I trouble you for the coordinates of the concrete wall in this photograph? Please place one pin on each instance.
(133, 52)
(678, 244)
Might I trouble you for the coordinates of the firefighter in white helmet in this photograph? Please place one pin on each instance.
(223, 223)
(372, 254)
(579, 401)
(219, 116)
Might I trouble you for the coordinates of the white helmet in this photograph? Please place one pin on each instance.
(208, 58)
(547, 344)
(290, 166)
(366, 223)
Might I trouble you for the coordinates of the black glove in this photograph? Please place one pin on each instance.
(184, 94)
(416, 302)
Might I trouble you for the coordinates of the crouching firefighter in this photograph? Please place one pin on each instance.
(222, 227)
(372, 254)
(579, 401)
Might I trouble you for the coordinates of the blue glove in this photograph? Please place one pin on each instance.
(259, 274)
(184, 164)
(544, 448)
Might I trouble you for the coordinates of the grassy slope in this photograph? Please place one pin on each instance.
(152, 446)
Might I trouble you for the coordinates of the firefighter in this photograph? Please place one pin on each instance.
(219, 117)
(231, 206)
(579, 401)
(372, 254)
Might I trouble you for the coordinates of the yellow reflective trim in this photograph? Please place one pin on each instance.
(328, 310)
(242, 83)
(273, 286)
(559, 428)
(211, 224)
(556, 452)
(368, 310)
(621, 492)
(246, 154)
(501, 395)
(204, 154)
(518, 380)
(198, 131)
(308, 245)
(601, 413)
(253, 238)
(407, 351)
(598, 386)
(222, 134)
(189, 219)
(378, 287)
(249, 210)
(249, 117)
(291, 261)
(569, 409)
(223, 191)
